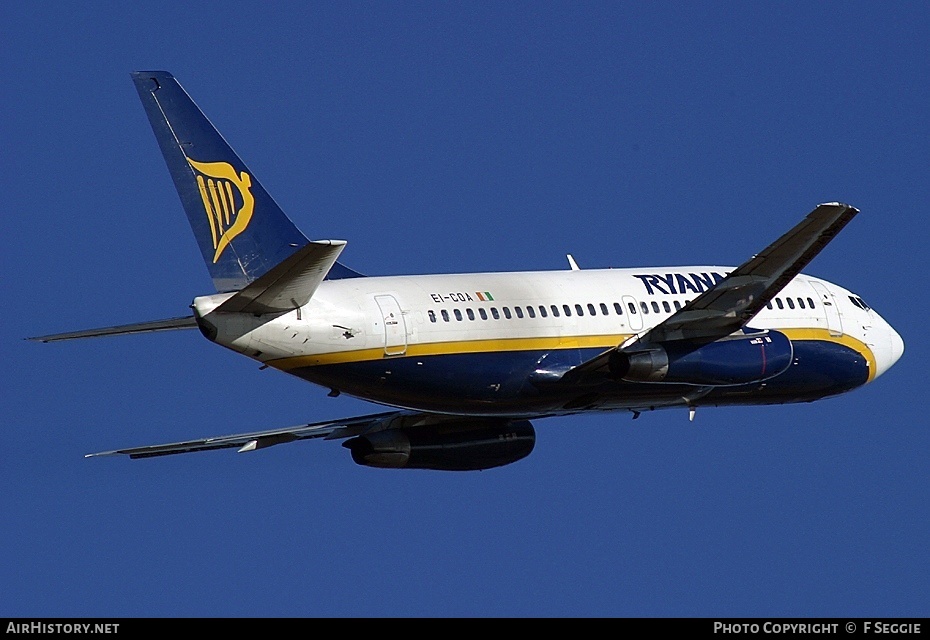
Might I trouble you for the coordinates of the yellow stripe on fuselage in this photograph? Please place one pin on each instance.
(537, 344)
(455, 347)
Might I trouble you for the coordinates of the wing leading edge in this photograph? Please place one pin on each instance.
(735, 300)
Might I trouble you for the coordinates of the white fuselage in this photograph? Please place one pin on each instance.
(352, 328)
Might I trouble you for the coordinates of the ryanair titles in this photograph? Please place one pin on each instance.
(669, 283)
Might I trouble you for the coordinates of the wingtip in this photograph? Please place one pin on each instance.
(136, 74)
(100, 454)
(838, 204)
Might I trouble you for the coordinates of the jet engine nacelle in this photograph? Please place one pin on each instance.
(458, 447)
(737, 359)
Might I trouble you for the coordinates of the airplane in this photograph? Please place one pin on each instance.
(465, 363)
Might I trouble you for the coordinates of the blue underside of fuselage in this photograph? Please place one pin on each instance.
(524, 383)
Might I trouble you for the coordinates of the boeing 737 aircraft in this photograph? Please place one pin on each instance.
(465, 362)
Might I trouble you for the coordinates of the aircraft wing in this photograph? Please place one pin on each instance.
(185, 322)
(252, 441)
(735, 300)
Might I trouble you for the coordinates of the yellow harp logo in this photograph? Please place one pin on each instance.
(228, 214)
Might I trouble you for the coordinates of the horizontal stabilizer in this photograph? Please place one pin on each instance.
(290, 284)
(186, 322)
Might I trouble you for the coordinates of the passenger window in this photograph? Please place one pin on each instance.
(507, 312)
(591, 309)
(665, 305)
(778, 303)
(644, 307)
(604, 310)
(801, 302)
(632, 308)
(655, 306)
(567, 309)
(618, 308)
(768, 305)
(470, 314)
(531, 312)
(483, 313)
(445, 315)
(677, 306)
(495, 314)
(579, 310)
(810, 302)
(458, 314)
(790, 303)
(555, 311)
(518, 311)
(542, 311)
(432, 315)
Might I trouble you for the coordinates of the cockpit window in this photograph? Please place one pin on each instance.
(859, 302)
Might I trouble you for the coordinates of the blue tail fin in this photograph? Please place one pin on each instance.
(241, 230)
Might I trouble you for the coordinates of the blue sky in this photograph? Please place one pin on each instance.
(442, 137)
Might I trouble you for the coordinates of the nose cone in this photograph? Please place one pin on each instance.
(897, 347)
(891, 351)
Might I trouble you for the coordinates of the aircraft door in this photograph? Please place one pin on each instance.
(632, 311)
(834, 321)
(395, 329)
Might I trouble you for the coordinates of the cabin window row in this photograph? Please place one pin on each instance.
(544, 311)
(790, 302)
(554, 310)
